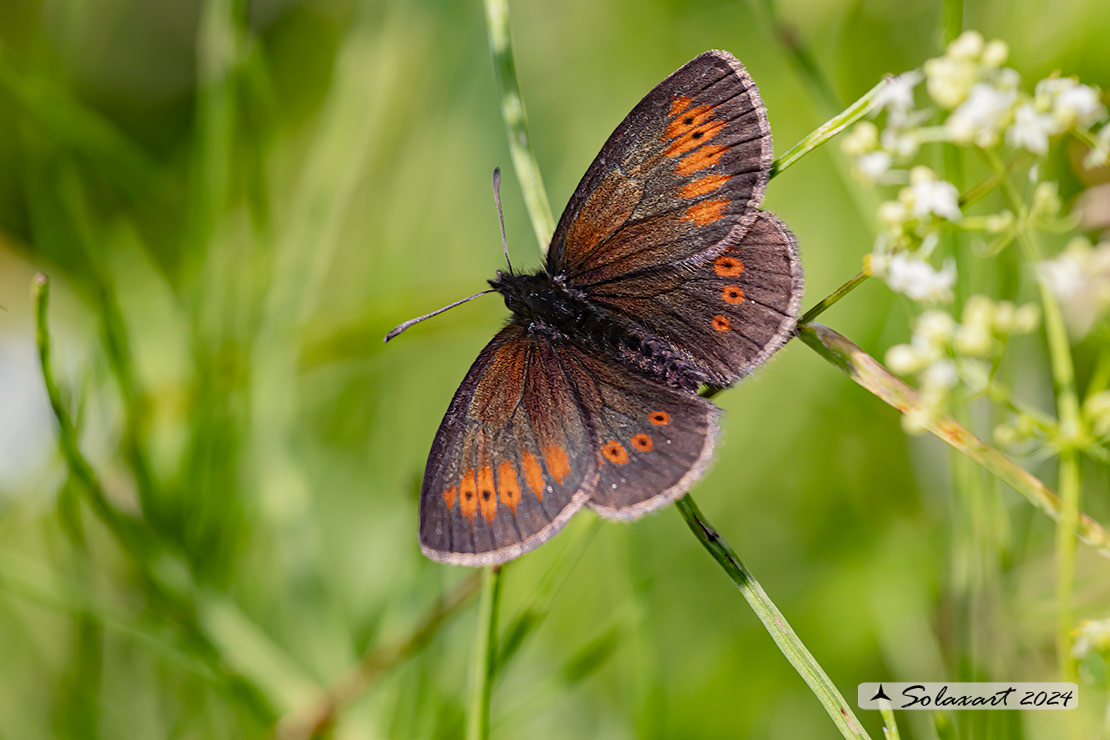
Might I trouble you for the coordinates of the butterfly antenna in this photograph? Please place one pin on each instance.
(501, 216)
(401, 327)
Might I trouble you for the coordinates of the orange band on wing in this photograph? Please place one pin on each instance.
(533, 474)
(703, 186)
(699, 159)
(680, 104)
(557, 463)
(705, 212)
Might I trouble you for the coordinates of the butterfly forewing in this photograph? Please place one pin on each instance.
(512, 460)
(684, 172)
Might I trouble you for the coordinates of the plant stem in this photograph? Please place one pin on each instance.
(67, 434)
(485, 655)
(890, 725)
(166, 576)
(869, 373)
(516, 124)
(827, 302)
(829, 128)
(773, 620)
(1070, 430)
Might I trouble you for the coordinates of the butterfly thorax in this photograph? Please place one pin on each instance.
(547, 305)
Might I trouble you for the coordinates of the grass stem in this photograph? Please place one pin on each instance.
(829, 128)
(1070, 430)
(516, 124)
(773, 620)
(484, 663)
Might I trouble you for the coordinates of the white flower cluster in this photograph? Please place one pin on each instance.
(944, 353)
(987, 104)
(979, 102)
(909, 227)
(1080, 280)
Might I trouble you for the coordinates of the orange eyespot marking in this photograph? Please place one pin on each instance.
(557, 463)
(614, 452)
(732, 294)
(726, 266)
(659, 418)
(686, 122)
(703, 185)
(706, 156)
(468, 495)
(642, 442)
(721, 323)
(507, 486)
(450, 495)
(533, 474)
(486, 494)
(680, 104)
(705, 212)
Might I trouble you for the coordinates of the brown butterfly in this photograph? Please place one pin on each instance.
(663, 276)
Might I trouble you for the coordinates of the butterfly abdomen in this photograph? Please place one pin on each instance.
(544, 305)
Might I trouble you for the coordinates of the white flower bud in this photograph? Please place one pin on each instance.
(920, 174)
(995, 53)
(1026, 318)
(861, 139)
(873, 165)
(978, 313)
(1004, 316)
(941, 374)
(892, 215)
(934, 328)
(1077, 105)
(968, 46)
(916, 420)
(1008, 79)
(948, 81)
(903, 359)
(933, 196)
(1031, 130)
(973, 340)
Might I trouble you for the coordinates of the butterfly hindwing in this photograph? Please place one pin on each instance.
(728, 311)
(652, 442)
(684, 171)
(512, 460)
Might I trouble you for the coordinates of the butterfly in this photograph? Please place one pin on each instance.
(663, 276)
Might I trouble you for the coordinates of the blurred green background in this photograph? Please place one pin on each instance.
(235, 201)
